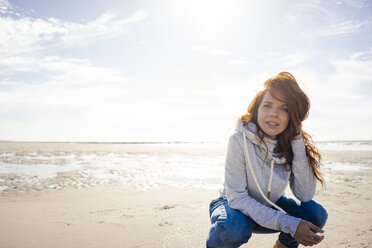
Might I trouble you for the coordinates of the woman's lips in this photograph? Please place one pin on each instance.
(272, 124)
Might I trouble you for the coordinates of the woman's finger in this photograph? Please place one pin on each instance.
(305, 243)
(317, 238)
(315, 228)
(310, 239)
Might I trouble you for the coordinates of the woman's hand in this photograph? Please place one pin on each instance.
(305, 233)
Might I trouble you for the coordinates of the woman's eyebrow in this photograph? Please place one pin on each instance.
(282, 105)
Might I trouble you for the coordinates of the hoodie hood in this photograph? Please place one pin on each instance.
(249, 130)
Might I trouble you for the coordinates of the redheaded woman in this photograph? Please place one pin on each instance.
(268, 151)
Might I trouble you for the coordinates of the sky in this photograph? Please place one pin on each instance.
(172, 70)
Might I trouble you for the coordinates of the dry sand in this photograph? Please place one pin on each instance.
(111, 216)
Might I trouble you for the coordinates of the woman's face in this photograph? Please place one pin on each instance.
(272, 115)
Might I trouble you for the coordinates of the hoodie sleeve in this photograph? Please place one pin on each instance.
(303, 181)
(237, 194)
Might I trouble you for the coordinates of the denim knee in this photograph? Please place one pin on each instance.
(230, 228)
(315, 213)
(227, 235)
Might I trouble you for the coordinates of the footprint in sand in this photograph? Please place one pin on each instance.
(127, 216)
(166, 207)
(64, 223)
(165, 223)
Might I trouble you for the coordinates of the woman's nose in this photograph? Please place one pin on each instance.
(274, 112)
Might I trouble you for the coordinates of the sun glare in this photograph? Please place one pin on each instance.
(209, 19)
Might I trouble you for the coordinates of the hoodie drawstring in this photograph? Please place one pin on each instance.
(270, 179)
(254, 176)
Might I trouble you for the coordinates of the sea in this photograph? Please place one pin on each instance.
(36, 166)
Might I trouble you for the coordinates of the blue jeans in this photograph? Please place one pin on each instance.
(231, 228)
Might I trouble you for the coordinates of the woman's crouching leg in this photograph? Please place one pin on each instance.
(310, 211)
(230, 227)
(315, 213)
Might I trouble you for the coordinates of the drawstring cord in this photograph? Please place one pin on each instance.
(255, 179)
(270, 179)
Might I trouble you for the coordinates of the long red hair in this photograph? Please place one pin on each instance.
(298, 110)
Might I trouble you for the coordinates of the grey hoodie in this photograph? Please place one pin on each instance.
(241, 191)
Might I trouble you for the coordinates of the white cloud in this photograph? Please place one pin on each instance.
(219, 52)
(108, 25)
(324, 18)
(367, 55)
(351, 79)
(241, 61)
(222, 52)
(5, 7)
(72, 82)
(286, 61)
(338, 29)
(25, 34)
(357, 3)
(80, 99)
(340, 101)
(64, 70)
(78, 71)
(308, 11)
(199, 48)
(52, 81)
(8, 83)
(294, 59)
(99, 99)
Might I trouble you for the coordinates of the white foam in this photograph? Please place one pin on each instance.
(3, 187)
(42, 171)
(141, 170)
(343, 166)
(345, 145)
(6, 154)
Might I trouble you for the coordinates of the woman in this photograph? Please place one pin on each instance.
(268, 151)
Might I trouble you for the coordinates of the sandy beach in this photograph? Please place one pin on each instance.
(111, 215)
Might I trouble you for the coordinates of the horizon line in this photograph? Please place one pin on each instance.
(157, 142)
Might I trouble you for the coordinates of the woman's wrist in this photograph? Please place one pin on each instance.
(299, 150)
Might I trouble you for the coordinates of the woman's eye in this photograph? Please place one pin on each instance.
(266, 106)
(284, 109)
